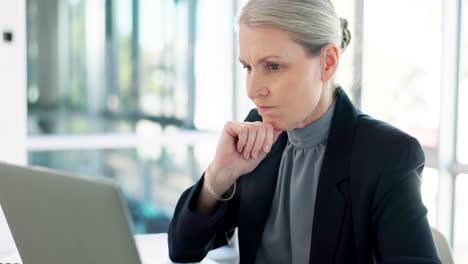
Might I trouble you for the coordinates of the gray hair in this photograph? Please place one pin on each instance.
(313, 23)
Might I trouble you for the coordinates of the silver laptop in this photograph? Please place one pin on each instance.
(57, 218)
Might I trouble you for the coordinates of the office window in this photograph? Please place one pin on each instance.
(461, 218)
(461, 196)
(112, 63)
(130, 68)
(462, 147)
(402, 65)
(214, 64)
(345, 75)
(430, 178)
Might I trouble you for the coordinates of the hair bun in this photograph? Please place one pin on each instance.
(346, 39)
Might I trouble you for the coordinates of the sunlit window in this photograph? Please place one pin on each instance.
(462, 146)
(461, 199)
(129, 67)
(402, 65)
(344, 76)
(430, 179)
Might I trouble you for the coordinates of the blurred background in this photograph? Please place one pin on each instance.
(138, 91)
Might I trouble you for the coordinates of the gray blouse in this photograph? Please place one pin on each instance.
(288, 230)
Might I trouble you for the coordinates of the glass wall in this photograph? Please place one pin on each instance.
(402, 65)
(462, 150)
(129, 67)
(114, 62)
(430, 179)
(461, 195)
(345, 75)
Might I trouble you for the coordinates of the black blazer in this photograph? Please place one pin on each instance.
(368, 206)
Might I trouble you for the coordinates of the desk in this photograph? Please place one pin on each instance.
(153, 250)
(147, 245)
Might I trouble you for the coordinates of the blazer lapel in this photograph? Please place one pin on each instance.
(331, 202)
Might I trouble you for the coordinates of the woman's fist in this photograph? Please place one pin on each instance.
(242, 146)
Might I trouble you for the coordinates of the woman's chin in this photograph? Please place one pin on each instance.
(276, 125)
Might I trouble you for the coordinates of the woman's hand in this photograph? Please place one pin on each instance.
(242, 146)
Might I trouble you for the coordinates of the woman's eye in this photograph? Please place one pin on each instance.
(273, 67)
(248, 68)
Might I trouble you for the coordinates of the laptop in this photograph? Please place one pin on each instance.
(57, 218)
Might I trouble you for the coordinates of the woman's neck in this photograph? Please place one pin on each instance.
(325, 102)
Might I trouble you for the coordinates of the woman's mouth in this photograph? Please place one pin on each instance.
(263, 109)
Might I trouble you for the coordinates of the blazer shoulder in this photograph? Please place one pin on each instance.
(380, 139)
(253, 116)
(380, 132)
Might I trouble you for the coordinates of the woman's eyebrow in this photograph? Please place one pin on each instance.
(263, 59)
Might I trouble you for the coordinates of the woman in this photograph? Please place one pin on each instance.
(307, 178)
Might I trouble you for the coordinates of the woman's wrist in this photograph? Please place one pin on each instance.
(219, 180)
(207, 202)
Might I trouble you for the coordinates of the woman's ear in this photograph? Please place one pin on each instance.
(330, 59)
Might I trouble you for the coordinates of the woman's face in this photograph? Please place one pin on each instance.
(284, 82)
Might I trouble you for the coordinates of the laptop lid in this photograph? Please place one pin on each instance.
(57, 218)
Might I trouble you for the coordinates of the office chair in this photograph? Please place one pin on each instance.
(442, 247)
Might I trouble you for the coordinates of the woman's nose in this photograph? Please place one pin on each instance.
(256, 87)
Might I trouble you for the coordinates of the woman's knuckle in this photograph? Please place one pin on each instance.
(243, 130)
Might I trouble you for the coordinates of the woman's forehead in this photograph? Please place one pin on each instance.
(256, 43)
(262, 35)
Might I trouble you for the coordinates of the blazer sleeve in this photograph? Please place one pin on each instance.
(401, 230)
(191, 234)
